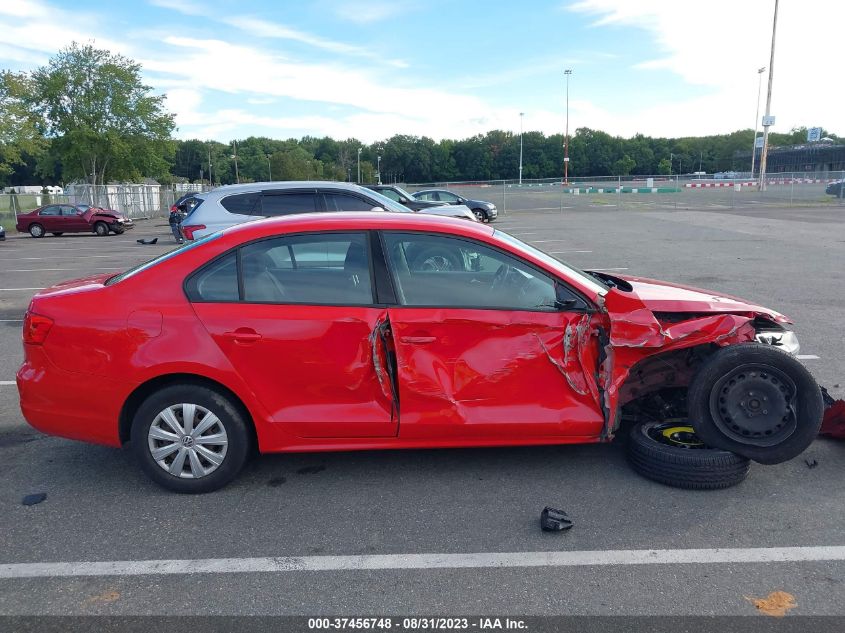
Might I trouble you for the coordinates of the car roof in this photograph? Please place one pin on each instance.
(361, 220)
(227, 190)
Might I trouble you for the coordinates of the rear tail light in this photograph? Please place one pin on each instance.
(35, 328)
(189, 230)
(173, 208)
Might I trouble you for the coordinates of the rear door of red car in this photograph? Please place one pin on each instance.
(488, 347)
(50, 218)
(301, 327)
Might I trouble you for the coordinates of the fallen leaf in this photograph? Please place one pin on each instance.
(103, 598)
(775, 604)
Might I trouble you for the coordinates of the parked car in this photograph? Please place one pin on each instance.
(323, 332)
(2, 234)
(484, 211)
(59, 219)
(835, 188)
(397, 194)
(185, 203)
(234, 204)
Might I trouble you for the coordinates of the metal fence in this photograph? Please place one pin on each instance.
(704, 191)
(133, 200)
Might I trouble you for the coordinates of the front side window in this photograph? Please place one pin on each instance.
(442, 271)
(321, 269)
(345, 202)
(288, 203)
(69, 210)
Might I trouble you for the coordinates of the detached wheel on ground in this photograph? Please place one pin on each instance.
(36, 230)
(671, 453)
(190, 438)
(755, 400)
(101, 229)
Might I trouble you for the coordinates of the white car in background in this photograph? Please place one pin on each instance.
(235, 204)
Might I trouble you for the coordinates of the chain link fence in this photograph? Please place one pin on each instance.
(137, 201)
(694, 192)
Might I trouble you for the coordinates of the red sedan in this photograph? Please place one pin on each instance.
(59, 219)
(344, 331)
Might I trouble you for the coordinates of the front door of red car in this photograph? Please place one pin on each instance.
(303, 332)
(72, 220)
(488, 347)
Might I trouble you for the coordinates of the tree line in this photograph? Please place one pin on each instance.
(87, 115)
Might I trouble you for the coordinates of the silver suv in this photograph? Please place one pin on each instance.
(235, 204)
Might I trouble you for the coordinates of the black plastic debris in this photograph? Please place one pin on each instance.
(31, 500)
(147, 241)
(310, 470)
(554, 520)
(811, 462)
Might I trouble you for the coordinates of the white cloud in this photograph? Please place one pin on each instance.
(373, 11)
(182, 6)
(719, 45)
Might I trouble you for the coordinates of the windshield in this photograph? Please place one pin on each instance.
(563, 268)
(387, 203)
(157, 260)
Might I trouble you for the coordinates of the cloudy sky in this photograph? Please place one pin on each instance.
(448, 68)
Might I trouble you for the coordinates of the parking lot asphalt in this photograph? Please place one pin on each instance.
(100, 507)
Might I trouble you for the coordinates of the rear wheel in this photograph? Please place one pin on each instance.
(480, 215)
(671, 453)
(101, 229)
(190, 438)
(755, 400)
(58, 234)
(36, 230)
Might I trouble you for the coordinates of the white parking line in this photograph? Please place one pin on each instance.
(496, 560)
(807, 357)
(7, 382)
(562, 252)
(17, 259)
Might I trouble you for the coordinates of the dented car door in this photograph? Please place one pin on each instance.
(489, 346)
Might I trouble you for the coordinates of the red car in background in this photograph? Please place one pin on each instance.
(68, 218)
(351, 331)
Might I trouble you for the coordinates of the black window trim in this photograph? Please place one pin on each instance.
(588, 307)
(368, 248)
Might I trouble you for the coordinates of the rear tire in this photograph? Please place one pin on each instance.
(480, 215)
(36, 230)
(219, 451)
(696, 467)
(101, 229)
(755, 400)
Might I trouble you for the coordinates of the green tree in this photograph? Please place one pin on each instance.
(104, 121)
(624, 165)
(664, 166)
(20, 133)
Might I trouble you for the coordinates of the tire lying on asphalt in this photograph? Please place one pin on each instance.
(670, 452)
(190, 438)
(757, 401)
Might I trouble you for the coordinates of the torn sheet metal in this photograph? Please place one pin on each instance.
(833, 422)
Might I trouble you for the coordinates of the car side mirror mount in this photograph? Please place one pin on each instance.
(377, 209)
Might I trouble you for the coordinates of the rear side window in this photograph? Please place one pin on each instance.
(217, 282)
(242, 203)
(288, 203)
(345, 202)
(50, 211)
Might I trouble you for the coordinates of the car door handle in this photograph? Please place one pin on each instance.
(243, 335)
(418, 340)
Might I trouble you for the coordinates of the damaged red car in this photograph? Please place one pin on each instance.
(59, 219)
(328, 332)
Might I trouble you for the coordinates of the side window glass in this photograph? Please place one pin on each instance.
(49, 211)
(429, 196)
(345, 202)
(317, 269)
(242, 204)
(390, 194)
(287, 203)
(68, 210)
(443, 271)
(216, 282)
(445, 196)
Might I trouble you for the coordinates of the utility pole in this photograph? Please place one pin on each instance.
(359, 164)
(235, 156)
(768, 119)
(210, 181)
(378, 168)
(566, 72)
(521, 114)
(760, 72)
(269, 169)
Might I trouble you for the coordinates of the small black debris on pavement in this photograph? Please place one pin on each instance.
(310, 470)
(147, 241)
(554, 520)
(31, 500)
(811, 462)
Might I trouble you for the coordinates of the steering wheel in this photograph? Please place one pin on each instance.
(502, 277)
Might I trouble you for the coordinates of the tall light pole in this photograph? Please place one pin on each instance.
(210, 181)
(378, 168)
(521, 114)
(566, 72)
(768, 119)
(359, 164)
(235, 156)
(760, 72)
(671, 162)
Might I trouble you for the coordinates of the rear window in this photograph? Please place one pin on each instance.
(287, 203)
(242, 203)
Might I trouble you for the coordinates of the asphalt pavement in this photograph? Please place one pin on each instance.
(345, 510)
